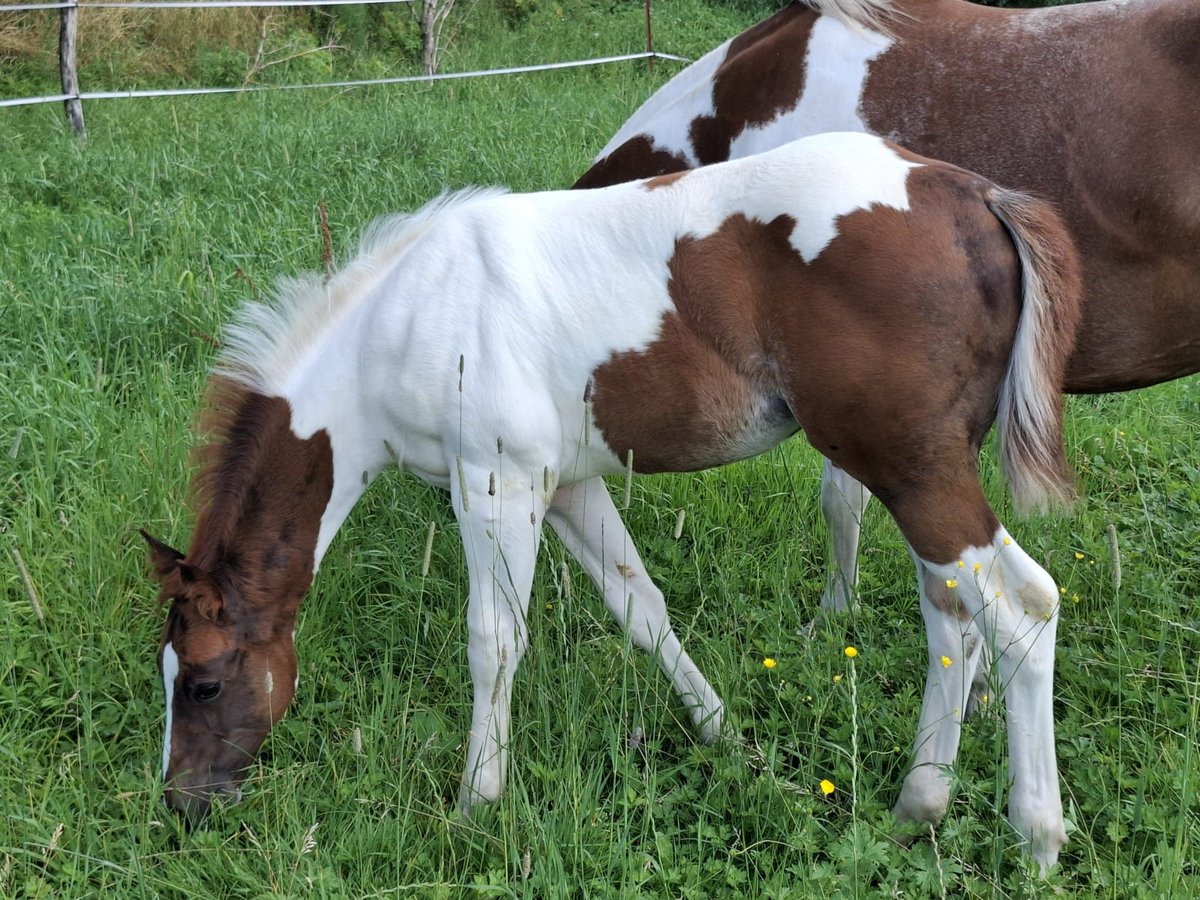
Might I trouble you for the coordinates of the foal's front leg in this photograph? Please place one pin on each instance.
(501, 531)
(585, 517)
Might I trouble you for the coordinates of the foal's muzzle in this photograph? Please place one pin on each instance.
(193, 797)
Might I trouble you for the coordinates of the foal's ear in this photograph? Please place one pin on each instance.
(163, 557)
(201, 590)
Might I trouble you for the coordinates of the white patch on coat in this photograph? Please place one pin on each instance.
(170, 671)
(836, 68)
(831, 175)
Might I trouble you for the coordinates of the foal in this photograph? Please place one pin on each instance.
(515, 348)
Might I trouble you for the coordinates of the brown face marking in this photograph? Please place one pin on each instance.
(261, 493)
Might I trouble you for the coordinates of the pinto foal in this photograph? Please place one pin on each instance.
(516, 348)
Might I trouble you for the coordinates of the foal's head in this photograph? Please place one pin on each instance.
(227, 655)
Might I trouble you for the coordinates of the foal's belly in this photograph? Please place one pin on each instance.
(695, 415)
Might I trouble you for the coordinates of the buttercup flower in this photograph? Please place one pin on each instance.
(1078, 555)
(947, 662)
(851, 652)
(827, 787)
(952, 583)
(769, 663)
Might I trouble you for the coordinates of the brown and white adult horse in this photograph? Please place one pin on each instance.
(516, 348)
(1094, 106)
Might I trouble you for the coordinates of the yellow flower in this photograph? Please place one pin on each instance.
(851, 652)
(983, 699)
(837, 679)
(947, 662)
(961, 563)
(977, 567)
(1007, 541)
(827, 787)
(1074, 598)
(769, 663)
(951, 583)
(1078, 555)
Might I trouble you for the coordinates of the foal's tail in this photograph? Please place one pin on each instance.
(1030, 410)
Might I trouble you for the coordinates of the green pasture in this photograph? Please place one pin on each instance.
(121, 259)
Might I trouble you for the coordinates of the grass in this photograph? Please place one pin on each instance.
(120, 260)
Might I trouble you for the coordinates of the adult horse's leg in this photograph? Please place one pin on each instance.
(844, 500)
(586, 519)
(500, 535)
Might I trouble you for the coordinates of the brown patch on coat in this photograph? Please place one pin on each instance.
(944, 599)
(634, 159)
(663, 181)
(888, 349)
(761, 76)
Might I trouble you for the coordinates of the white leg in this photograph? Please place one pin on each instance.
(954, 652)
(1018, 602)
(500, 535)
(843, 503)
(586, 519)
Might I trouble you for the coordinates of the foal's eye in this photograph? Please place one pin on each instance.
(203, 693)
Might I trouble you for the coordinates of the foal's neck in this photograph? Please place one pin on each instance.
(263, 493)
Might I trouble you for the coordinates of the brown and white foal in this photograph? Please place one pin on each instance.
(516, 348)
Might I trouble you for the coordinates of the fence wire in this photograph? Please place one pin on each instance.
(404, 79)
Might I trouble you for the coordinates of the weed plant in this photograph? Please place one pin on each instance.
(120, 260)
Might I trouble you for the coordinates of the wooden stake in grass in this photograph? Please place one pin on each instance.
(326, 240)
(428, 549)
(628, 479)
(27, 580)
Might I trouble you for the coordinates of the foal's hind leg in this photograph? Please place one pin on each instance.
(586, 519)
(954, 652)
(1016, 604)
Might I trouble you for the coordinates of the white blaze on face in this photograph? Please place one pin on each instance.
(170, 671)
(836, 68)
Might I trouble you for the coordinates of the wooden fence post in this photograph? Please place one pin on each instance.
(68, 27)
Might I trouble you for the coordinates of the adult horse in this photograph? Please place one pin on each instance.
(1094, 106)
(516, 348)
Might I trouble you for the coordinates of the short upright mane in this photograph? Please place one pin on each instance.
(263, 343)
(266, 339)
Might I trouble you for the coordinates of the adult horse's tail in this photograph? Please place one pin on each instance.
(1030, 411)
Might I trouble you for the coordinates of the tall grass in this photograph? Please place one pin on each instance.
(121, 259)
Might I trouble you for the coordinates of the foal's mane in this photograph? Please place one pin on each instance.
(267, 339)
(262, 345)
